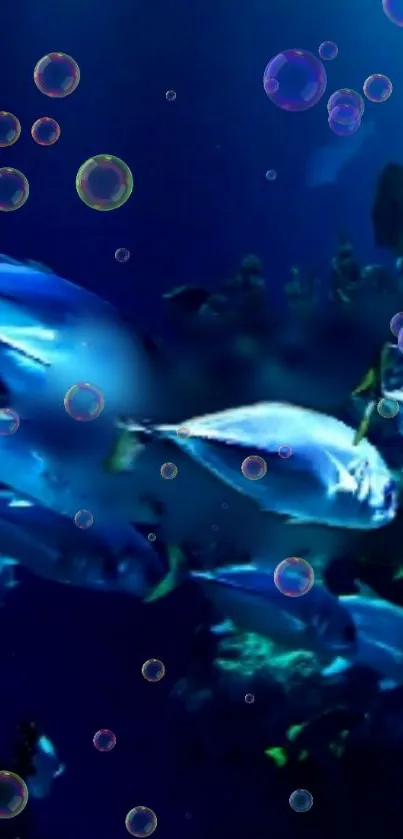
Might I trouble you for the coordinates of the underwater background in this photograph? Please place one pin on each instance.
(72, 658)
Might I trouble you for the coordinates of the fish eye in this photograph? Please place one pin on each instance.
(349, 632)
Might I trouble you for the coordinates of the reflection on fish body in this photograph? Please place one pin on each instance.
(327, 480)
(316, 622)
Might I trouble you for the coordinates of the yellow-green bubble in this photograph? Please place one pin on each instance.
(104, 182)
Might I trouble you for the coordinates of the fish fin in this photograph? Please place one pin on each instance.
(293, 731)
(398, 574)
(226, 627)
(38, 266)
(366, 591)
(125, 451)
(338, 665)
(387, 684)
(177, 564)
(365, 423)
(278, 755)
(346, 482)
(367, 382)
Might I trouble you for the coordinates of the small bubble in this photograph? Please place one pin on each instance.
(294, 576)
(271, 175)
(328, 51)
(141, 822)
(104, 182)
(83, 402)
(254, 467)
(215, 527)
(301, 800)
(224, 505)
(396, 323)
(169, 471)
(14, 189)
(45, 131)
(153, 670)
(104, 740)
(170, 95)
(9, 422)
(13, 795)
(249, 698)
(387, 408)
(151, 537)
(83, 519)
(10, 129)
(183, 432)
(122, 255)
(378, 88)
(57, 75)
(271, 85)
(285, 452)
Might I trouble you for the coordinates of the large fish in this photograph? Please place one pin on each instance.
(325, 164)
(325, 479)
(249, 597)
(117, 559)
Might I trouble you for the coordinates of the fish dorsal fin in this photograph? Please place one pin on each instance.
(38, 266)
(366, 591)
(9, 260)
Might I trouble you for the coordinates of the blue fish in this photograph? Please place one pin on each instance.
(47, 767)
(317, 621)
(325, 163)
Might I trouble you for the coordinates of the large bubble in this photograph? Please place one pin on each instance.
(141, 822)
(57, 75)
(45, 131)
(104, 740)
(377, 88)
(396, 323)
(294, 576)
(84, 402)
(14, 189)
(301, 79)
(394, 11)
(301, 800)
(346, 96)
(328, 51)
(13, 795)
(153, 670)
(104, 182)
(10, 129)
(9, 422)
(254, 467)
(340, 124)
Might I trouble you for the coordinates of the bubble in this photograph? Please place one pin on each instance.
(104, 182)
(342, 129)
(400, 340)
(387, 408)
(45, 131)
(271, 85)
(14, 189)
(104, 740)
(141, 821)
(57, 75)
(301, 79)
(170, 95)
(328, 51)
(285, 452)
(254, 467)
(346, 96)
(153, 670)
(377, 88)
(294, 576)
(396, 324)
(10, 129)
(271, 175)
(151, 537)
(345, 114)
(169, 471)
(84, 519)
(249, 698)
(9, 422)
(394, 11)
(301, 800)
(183, 432)
(84, 402)
(122, 255)
(13, 795)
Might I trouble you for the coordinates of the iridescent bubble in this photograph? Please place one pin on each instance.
(336, 124)
(294, 576)
(104, 740)
(122, 255)
(170, 95)
(104, 182)
(400, 340)
(301, 800)
(14, 189)
(57, 75)
(169, 471)
(183, 432)
(377, 88)
(345, 114)
(271, 175)
(285, 452)
(387, 408)
(10, 129)
(13, 794)
(301, 79)
(394, 11)
(45, 131)
(254, 467)
(249, 698)
(84, 402)
(328, 51)
(141, 822)
(151, 537)
(83, 519)
(271, 85)
(153, 670)
(396, 323)
(346, 96)
(9, 422)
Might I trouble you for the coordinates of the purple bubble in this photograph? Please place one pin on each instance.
(400, 340)
(328, 51)
(346, 96)
(301, 79)
(396, 324)
(104, 740)
(394, 11)
(377, 88)
(342, 129)
(345, 114)
(294, 576)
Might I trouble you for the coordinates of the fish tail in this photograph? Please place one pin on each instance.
(129, 443)
(175, 575)
(278, 755)
(365, 423)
